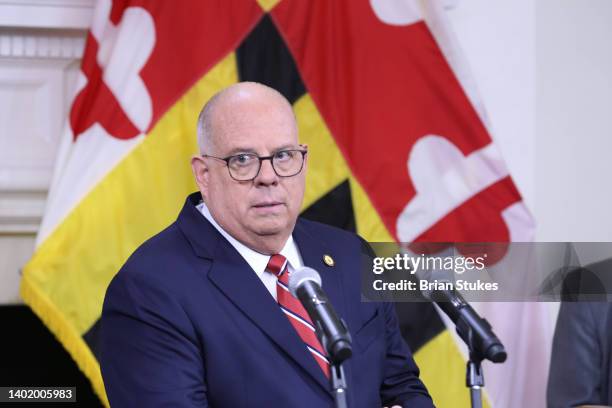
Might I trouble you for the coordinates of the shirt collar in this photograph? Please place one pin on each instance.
(256, 260)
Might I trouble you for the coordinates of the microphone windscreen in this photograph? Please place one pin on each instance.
(301, 275)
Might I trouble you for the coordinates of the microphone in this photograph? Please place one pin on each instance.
(305, 285)
(475, 331)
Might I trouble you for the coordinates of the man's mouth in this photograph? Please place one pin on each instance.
(267, 204)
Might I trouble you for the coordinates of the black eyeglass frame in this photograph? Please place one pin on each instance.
(261, 159)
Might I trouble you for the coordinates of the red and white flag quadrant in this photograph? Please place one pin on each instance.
(140, 58)
(401, 118)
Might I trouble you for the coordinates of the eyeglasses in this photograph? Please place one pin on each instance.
(246, 166)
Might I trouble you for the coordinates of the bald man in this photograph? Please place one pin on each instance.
(200, 314)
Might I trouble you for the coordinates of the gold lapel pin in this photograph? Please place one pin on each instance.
(329, 261)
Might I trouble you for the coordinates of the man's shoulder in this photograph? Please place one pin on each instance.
(167, 250)
(326, 230)
(164, 243)
(334, 238)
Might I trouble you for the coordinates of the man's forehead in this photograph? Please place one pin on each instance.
(245, 124)
(243, 94)
(264, 105)
(235, 142)
(246, 148)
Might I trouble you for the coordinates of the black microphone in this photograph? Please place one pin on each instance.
(305, 284)
(475, 331)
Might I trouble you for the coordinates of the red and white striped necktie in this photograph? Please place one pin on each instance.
(295, 312)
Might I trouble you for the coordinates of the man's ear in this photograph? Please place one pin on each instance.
(305, 147)
(200, 172)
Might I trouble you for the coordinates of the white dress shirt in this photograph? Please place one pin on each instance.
(256, 260)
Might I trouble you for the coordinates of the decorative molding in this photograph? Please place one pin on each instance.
(33, 106)
(54, 14)
(21, 212)
(50, 3)
(36, 82)
(42, 44)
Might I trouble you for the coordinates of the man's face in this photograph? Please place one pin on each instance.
(260, 213)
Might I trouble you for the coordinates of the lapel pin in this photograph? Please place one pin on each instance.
(329, 261)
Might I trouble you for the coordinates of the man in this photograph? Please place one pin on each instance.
(581, 361)
(199, 314)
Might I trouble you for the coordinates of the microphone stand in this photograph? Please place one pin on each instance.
(474, 377)
(332, 332)
(478, 335)
(336, 377)
(475, 381)
(338, 382)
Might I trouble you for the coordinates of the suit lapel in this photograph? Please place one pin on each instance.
(235, 278)
(313, 252)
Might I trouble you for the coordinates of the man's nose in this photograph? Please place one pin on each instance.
(266, 174)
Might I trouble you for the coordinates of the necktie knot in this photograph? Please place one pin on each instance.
(276, 264)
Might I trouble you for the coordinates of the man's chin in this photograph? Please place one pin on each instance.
(269, 227)
(268, 231)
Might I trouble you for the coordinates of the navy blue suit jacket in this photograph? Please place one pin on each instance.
(187, 323)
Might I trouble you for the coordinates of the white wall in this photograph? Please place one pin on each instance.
(574, 120)
(544, 71)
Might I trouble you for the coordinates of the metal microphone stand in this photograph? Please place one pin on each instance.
(474, 377)
(337, 355)
(338, 382)
(475, 381)
(478, 335)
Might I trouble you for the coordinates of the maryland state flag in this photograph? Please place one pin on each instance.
(397, 150)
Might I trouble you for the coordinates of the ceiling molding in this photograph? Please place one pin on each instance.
(42, 44)
(50, 14)
(21, 212)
